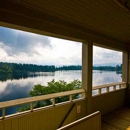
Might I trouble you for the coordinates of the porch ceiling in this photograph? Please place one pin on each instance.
(103, 18)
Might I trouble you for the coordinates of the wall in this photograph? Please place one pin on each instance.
(46, 119)
(109, 102)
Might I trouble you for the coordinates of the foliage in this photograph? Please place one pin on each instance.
(52, 87)
(108, 68)
(24, 68)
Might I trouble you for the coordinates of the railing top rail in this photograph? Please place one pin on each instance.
(38, 98)
(107, 85)
(79, 121)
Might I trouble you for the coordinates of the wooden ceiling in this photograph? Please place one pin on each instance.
(98, 18)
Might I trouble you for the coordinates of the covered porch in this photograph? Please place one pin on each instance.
(101, 23)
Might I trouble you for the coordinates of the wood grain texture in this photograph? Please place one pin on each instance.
(102, 22)
(38, 98)
(117, 120)
(44, 119)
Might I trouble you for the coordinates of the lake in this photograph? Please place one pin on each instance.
(14, 86)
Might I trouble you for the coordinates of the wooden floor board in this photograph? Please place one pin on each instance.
(117, 120)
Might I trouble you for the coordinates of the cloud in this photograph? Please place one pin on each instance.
(102, 56)
(16, 42)
(23, 47)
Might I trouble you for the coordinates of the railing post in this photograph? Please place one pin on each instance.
(83, 95)
(107, 89)
(3, 113)
(100, 91)
(124, 85)
(119, 86)
(31, 106)
(71, 98)
(54, 102)
(114, 87)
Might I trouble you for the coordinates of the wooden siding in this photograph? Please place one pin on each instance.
(44, 119)
(108, 102)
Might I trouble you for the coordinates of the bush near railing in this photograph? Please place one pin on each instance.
(52, 87)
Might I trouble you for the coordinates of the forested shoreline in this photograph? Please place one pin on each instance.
(25, 68)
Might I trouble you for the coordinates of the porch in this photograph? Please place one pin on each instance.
(57, 115)
(101, 23)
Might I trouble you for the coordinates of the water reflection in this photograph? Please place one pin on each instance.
(12, 76)
(106, 77)
(15, 86)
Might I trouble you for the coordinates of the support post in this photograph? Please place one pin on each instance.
(125, 67)
(128, 80)
(87, 61)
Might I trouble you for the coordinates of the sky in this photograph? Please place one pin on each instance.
(24, 47)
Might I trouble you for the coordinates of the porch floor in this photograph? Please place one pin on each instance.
(117, 120)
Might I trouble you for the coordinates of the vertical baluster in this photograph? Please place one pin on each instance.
(99, 90)
(53, 101)
(31, 106)
(119, 86)
(83, 95)
(3, 113)
(107, 89)
(71, 98)
(124, 85)
(114, 87)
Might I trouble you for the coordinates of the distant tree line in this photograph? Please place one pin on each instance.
(24, 68)
(71, 67)
(108, 68)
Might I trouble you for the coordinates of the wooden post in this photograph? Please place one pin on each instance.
(87, 60)
(114, 88)
(128, 82)
(119, 86)
(53, 101)
(31, 106)
(3, 113)
(83, 95)
(107, 89)
(71, 98)
(125, 67)
(100, 91)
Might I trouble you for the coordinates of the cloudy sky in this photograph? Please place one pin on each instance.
(23, 47)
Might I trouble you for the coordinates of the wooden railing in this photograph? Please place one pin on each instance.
(108, 88)
(32, 100)
(90, 122)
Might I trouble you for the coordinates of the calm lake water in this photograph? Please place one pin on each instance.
(18, 86)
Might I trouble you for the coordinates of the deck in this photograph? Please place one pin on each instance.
(117, 120)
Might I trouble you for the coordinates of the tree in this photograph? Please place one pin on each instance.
(52, 87)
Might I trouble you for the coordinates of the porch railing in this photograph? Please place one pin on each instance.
(32, 100)
(98, 90)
